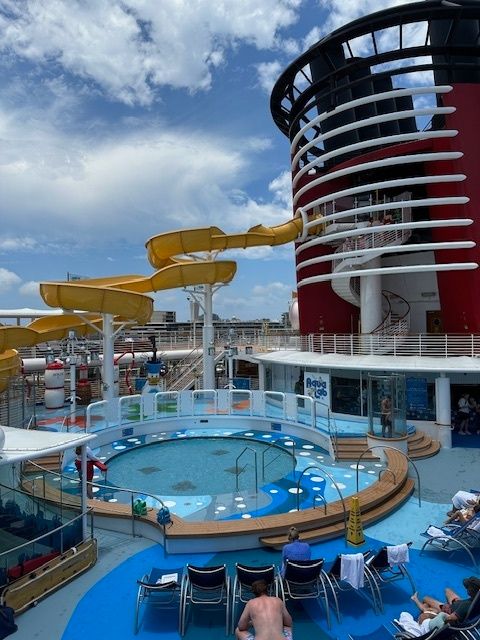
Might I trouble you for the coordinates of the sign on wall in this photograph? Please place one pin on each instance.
(417, 394)
(317, 386)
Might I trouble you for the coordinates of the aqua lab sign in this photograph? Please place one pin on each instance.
(317, 386)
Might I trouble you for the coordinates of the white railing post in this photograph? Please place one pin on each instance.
(446, 345)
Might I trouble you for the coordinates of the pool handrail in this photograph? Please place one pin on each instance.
(278, 445)
(237, 473)
(322, 498)
(329, 475)
(405, 455)
(132, 492)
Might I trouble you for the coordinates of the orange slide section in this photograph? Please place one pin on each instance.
(171, 254)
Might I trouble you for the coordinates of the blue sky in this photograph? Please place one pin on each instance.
(121, 119)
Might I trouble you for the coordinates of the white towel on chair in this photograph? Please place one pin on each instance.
(397, 554)
(408, 622)
(435, 532)
(352, 567)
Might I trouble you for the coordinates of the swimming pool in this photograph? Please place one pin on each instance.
(194, 472)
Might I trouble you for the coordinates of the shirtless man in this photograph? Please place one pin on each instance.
(266, 614)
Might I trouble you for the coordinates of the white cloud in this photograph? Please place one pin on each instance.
(31, 288)
(341, 12)
(8, 280)
(129, 48)
(12, 244)
(271, 290)
(268, 73)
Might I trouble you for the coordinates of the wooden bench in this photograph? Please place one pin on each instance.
(376, 501)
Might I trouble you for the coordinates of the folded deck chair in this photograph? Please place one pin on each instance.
(454, 537)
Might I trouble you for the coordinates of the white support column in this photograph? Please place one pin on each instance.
(84, 492)
(208, 339)
(108, 391)
(443, 411)
(261, 376)
(371, 298)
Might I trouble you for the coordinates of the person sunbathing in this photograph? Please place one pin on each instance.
(463, 515)
(455, 607)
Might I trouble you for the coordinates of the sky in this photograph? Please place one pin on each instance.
(123, 119)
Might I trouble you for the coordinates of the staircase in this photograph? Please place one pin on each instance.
(419, 446)
(52, 462)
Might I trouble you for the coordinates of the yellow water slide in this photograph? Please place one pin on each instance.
(172, 254)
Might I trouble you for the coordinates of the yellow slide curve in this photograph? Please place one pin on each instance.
(171, 254)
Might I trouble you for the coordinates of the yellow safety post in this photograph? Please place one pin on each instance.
(354, 528)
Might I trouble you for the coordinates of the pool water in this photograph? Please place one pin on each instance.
(200, 465)
(173, 466)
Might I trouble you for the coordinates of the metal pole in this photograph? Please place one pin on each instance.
(108, 391)
(83, 499)
(230, 368)
(208, 338)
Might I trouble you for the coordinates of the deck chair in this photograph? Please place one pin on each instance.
(339, 586)
(305, 579)
(455, 537)
(162, 589)
(206, 587)
(384, 574)
(245, 576)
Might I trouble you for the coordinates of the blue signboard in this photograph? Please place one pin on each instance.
(417, 396)
(241, 383)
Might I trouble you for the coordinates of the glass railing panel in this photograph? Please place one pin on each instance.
(204, 403)
(240, 402)
(97, 416)
(167, 404)
(130, 409)
(305, 410)
(274, 405)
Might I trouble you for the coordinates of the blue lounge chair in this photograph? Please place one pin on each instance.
(384, 574)
(162, 589)
(455, 537)
(245, 576)
(304, 579)
(206, 587)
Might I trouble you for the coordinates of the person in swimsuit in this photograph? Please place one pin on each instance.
(455, 608)
(266, 614)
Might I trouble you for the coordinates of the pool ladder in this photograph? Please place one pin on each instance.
(239, 470)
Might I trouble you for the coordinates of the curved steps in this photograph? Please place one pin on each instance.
(420, 446)
(376, 502)
(338, 529)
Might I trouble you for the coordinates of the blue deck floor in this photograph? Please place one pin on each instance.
(112, 598)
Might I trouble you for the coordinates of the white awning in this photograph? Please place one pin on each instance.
(461, 364)
(26, 444)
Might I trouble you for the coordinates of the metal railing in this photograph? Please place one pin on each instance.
(239, 471)
(131, 492)
(43, 540)
(276, 445)
(437, 346)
